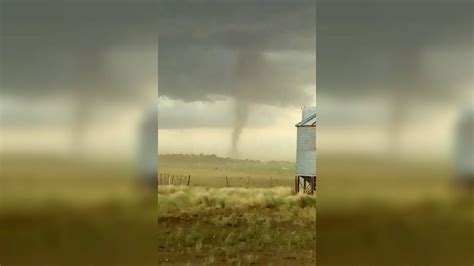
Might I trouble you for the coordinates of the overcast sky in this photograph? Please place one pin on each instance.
(231, 73)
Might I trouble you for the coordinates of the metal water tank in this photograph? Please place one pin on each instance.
(306, 143)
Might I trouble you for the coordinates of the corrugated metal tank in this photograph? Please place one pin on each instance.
(306, 145)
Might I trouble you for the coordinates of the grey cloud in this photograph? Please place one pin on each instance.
(58, 47)
(201, 56)
(377, 47)
(199, 73)
(359, 39)
(176, 114)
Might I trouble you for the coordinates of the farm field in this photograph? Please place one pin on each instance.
(62, 212)
(235, 226)
(236, 212)
(211, 171)
(371, 211)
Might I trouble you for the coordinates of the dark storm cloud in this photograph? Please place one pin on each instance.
(101, 52)
(201, 73)
(422, 49)
(257, 52)
(176, 114)
(200, 58)
(56, 46)
(48, 43)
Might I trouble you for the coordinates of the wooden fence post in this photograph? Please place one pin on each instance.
(296, 184)
(189, 179)
(227, 181)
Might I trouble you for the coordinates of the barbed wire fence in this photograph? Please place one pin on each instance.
(168, 179)
(174, 179)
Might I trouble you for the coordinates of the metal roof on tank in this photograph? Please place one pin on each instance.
(308, 122)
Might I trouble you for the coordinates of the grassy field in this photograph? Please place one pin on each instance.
(59, 211)
(211, 171)
(237, 226)
(370, 212)
(255, 221)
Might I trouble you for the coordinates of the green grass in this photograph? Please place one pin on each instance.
(236, 225)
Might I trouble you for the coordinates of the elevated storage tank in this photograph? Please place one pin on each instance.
(305, 180)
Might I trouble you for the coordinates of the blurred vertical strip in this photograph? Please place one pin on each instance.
(394, 80)
(78, 95)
